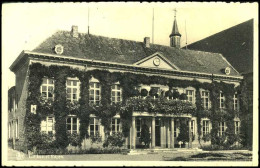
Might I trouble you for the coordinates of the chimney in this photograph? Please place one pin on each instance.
(74, 31)
(147, 42)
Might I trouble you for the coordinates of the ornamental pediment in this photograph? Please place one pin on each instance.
(156, 60)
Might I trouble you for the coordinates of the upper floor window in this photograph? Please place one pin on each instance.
(94, 126)
(72, 124)
(73, 87)
(116, 94)
(47, 88)
(205, 99)
(115, 125)
(237, 126)
(47, 125)
(221, 128)
(94, 93)
(235, 98)
(221, 100)
(190, 95)
(205, 127)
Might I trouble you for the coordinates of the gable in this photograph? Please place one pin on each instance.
(156, 61)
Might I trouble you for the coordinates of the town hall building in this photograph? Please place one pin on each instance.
(72, 81)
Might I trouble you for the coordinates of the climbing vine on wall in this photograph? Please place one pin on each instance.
(105, 111)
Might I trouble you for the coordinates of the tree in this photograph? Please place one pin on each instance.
(184, 132)
(145, 136)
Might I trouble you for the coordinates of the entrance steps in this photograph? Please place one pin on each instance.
(157, 150)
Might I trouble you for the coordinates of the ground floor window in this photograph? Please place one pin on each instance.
(72, 124)
(221, 128)
(94, 126)
(115, 125)
(205, 127)
(237, 125)
(47, 126)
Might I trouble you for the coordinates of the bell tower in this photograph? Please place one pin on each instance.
(175, 36)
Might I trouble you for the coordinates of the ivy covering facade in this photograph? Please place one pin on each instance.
(61, 108)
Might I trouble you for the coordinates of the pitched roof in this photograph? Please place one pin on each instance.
(129, 52)
(235, 44)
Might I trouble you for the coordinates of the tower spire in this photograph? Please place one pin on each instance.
(175, 35)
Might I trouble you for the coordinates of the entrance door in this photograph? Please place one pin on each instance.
(157, 132)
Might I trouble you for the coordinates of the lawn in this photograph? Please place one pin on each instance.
(209, 156)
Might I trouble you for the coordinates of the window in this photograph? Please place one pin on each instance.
(47, 88)
(205, 127)
(221, 100)
(192, 127)
(138, 127)
(47, 125)
(190, 95)
(94, 93)
(116, 94)
(205, 99)
(94, 126)
(237, 125)
(115, 125)
(73, 89)
(235, 98)
(72, 125)
(221, 128)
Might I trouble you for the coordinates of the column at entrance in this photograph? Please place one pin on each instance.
(133, 133)
(172, 133)
(153, 132)
(190, 134)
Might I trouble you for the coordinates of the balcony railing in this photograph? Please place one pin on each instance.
(161, 105)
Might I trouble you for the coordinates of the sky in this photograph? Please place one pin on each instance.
(26, 25)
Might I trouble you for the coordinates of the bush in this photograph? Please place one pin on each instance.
(46, 141)
(114, 140)
(144, 92)
(57, 151)
(74, 139)
(206, 137)
(175, 95)
(96, 138)
(183, 96)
